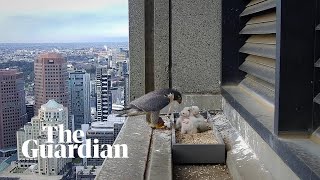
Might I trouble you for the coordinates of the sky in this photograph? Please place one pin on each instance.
(61, 21)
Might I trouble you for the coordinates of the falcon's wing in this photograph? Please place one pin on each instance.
(151, 102)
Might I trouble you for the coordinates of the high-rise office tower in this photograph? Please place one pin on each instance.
(111, 61)
(50, 80)
(125, 51)
(79, 93)
(125, 68)
(50, 114)
(93, 94)
(12, 109)
(126, 89)
(116, 95)
(104, 96)
(30, 111)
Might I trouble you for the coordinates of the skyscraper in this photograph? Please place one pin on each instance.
(104, 97)
(79, 88)
(12, 108)
(30, 111)
(50, 80)
(125, 68)
(126, 89)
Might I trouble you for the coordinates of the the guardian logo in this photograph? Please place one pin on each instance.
(66, 145)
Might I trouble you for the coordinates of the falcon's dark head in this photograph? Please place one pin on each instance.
(177, 96)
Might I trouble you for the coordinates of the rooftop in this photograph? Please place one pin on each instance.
(9, 72)
(52, 104)
(52, 55)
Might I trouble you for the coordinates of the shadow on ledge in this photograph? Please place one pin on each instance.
(149, 153)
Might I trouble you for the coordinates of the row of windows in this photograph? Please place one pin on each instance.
(10, 99)
(11, 115)
(8, 83)
(53, 72)
(9, 78)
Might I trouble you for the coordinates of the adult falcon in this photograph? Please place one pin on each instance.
(151, 104)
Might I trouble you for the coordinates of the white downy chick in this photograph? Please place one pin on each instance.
(198, 120)
(185, 113)
(187, 127)
(195, 111)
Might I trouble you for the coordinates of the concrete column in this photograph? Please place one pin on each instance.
(161, 43)
(137, 48)
(196, 51)
(196, 46)
(176, 43)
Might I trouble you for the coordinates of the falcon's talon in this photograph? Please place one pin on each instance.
(158, 126)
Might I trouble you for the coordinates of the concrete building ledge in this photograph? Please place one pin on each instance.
(241, 160)
(149, 153)
(268, 158)
(283, 155)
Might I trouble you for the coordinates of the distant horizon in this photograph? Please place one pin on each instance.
(63, 42)
(60, 21)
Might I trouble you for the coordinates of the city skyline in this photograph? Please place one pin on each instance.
(61, 82)
(35, 21)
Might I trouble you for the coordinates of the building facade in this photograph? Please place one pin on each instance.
(126, 89)
(50, 80)
(12, 108)
(116, 93)
(30, 111)
(50, 114)
(104, 97)
(79, 93)
(106, 132)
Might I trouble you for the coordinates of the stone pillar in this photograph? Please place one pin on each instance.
(137, 48)
(161, 44)
(196, 50)
(196, 45)
(176, 44)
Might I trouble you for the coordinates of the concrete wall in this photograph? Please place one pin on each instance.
(196, 45)
(180, 47)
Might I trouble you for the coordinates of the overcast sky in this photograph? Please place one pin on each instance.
(25, 21)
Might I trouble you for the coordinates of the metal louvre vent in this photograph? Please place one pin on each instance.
(317, 64)
(260, 48)
(256, 6)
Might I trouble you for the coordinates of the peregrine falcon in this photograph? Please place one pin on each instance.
(151, 104)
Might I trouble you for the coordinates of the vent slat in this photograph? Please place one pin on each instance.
(263, 50)
(258, 7)
(262, 39)
(261, 28)
(317, 99)
(317, 64)
(263, 68)
(270, 17)
(254, 2)
(259, 87)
